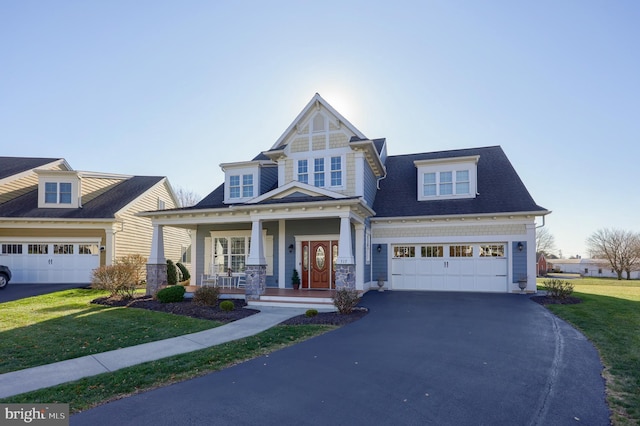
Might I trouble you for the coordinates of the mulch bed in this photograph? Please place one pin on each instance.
(548, 300)
(190, 309)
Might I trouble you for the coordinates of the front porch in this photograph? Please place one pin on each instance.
(280, 297)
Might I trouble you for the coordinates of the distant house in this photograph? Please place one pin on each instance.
(329, 202)
(541, 262)
(588, 268)
(58, 224)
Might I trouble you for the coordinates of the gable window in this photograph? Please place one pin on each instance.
(57, 193)
(318, 123)
(234, 186)
(318, 172)
(247, 185)
(303, 171)
(336, 171)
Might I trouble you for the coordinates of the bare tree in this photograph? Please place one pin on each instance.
(619, 247)
(545, 243)
(186, 198)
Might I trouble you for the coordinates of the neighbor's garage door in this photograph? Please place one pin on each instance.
(450, 267)
(60, 262)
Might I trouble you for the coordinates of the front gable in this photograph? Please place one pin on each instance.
(297, 190)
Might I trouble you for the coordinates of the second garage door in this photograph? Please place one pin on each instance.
(450, 267)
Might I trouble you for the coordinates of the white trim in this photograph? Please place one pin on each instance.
(295, 186)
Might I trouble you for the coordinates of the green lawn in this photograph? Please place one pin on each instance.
(610, 317)
(63, 325)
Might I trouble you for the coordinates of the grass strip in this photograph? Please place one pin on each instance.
(92, 391)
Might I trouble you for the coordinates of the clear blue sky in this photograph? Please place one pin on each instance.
(174, 88)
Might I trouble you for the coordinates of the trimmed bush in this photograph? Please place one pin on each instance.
(172, 273)
(183, 271)
(206, 296)
(227, 305)
(558, 289)
(174, 293)
(345, 300)
(311, 313)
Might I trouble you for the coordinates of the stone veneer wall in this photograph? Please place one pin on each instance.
(156, 277)
(256, 281)
(346, 277)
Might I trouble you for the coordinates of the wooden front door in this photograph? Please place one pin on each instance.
(317, 264)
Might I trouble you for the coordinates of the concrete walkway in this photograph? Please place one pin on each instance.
(44, 376)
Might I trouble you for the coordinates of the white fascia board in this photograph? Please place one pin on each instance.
(294, 186)
(246, 164)
(449, 160)
(306, 109)
(463, 217)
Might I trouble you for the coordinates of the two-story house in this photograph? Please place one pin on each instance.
(58, 224)
(332, 204)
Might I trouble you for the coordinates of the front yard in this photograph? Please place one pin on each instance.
(610, 317)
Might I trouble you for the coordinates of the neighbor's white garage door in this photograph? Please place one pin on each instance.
(45, 262)
(449, 267)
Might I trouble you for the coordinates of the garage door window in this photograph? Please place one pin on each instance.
(88, 249)
(492, 250)
(38, 249)
(432, 251)
(460, 251)
(12, 249)
(404, 251)
(63, 249)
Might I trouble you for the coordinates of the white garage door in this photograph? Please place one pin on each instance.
(450, 267)
(60, 262)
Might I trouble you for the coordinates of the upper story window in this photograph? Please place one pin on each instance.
(318, 172)
(241, 184)
(303, 171)
(319, 123)
(234, 186)
(57, 192)
(242, 180)
(324, 172)
(447, 178)
(247, 185)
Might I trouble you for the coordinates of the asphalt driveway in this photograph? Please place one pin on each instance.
(20, 291)
(417, 358)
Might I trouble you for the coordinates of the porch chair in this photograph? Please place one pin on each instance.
(242, 281)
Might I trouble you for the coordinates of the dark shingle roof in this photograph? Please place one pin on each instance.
(105, 206)
(10, 166)
(499, 186)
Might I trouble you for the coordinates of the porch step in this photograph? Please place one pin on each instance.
(289, 302)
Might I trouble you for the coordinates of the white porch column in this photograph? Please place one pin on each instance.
(359, 256)
(157, 246)
(531, 258)
(110, 246)
(345, 252)
(256, 251)
(193, 233)
(281, 253)
(157, 264)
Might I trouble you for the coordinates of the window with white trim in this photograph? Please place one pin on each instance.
(404, 251)
(336, 171)
(11, 248)
(57, 192)
(445, 183)
(447, 177)
(234, 186)
(303, 171)
(247, 186)
(318, 172)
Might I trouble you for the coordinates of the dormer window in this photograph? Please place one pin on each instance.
(447, 178)
(58, 189)
(242, 181)
(57, 193)
(236, 188)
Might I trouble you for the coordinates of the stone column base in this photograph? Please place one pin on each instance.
(346, 277)
(256, 281)
(156, 277)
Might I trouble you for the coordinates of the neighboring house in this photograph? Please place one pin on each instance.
(331, 203)
(588, 268)
(58, 224)
(541, 262)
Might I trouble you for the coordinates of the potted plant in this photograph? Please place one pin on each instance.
(522, 283)
(381, 283)
(295, 279)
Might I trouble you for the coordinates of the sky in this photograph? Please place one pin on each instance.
(175, 88)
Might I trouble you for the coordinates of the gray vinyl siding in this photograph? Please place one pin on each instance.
(268, 178)
(519, 261)
(370, 185)
(379, 262)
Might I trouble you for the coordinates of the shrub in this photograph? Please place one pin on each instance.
(174, 293)
(137, 263)
(558, 289)
(118, 280)
(172, 273)
(227, 305)
(206, 296)
(345, 300)
(311, 313)
(184, 271)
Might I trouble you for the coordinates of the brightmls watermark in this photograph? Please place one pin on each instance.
(34, 414)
